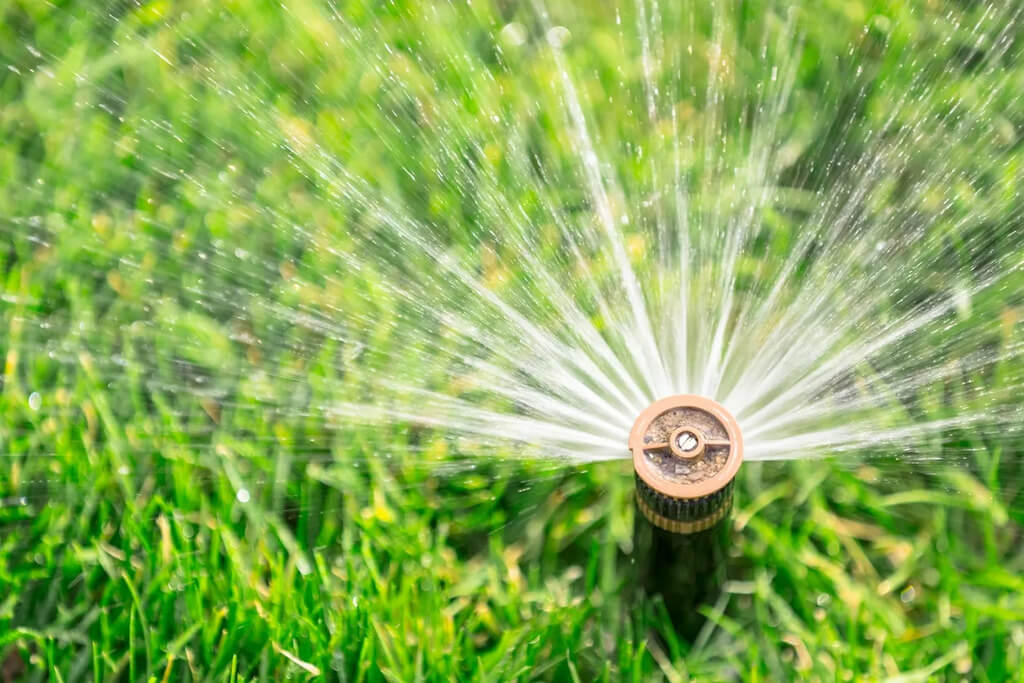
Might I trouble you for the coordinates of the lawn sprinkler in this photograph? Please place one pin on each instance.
(686, 452)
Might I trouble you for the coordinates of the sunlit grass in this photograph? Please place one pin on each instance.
(172, 508)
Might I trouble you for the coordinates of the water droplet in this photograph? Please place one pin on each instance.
(558, 36)
(35, 401)
(513, 34)
(243, 496)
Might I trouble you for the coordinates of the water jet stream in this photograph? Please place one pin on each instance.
(542, 271)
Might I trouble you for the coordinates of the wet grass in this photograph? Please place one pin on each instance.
(173, 507)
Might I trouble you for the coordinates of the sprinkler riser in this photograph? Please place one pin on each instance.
(681, 515)
(684, 570)
(686, 452)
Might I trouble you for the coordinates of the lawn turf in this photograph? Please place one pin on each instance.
(173, 506)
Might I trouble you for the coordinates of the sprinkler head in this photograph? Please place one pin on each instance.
(686, 452)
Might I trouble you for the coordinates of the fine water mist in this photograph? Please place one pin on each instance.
(579, 217)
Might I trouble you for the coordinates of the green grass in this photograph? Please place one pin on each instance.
(170, 376)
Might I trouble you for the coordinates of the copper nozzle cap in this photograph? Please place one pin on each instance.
(686, 447)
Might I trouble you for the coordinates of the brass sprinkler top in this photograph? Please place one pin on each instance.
(686, 446)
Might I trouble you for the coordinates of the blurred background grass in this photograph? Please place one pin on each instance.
(174, 507)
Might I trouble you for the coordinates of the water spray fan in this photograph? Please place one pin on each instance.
(686, 450)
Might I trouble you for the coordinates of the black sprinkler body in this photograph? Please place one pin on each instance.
(686, 452)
